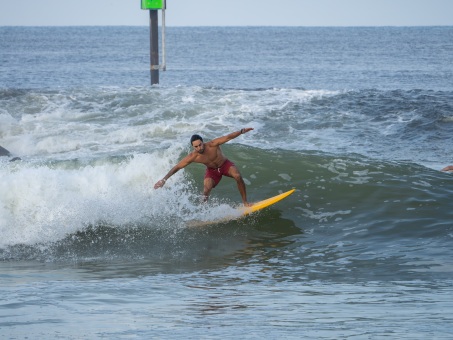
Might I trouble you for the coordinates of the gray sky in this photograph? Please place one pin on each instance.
(230, 13)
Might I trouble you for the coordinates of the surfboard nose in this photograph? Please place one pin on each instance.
(265, 203)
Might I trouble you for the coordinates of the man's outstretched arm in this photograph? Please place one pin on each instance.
(230, 136)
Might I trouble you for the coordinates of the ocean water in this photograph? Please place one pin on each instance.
(358, 120)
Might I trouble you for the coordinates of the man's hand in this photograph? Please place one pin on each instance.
(159, 184)
(244, 130)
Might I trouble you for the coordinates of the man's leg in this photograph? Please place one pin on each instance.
(208, 185)
(234, 173)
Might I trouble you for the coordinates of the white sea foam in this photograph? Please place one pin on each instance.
(40, 203)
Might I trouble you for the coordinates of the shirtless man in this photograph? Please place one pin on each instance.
(217, 165)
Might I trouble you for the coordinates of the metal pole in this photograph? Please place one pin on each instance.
(154, 45)
(164, 64)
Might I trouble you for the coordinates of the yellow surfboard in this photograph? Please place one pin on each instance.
(265, 203)
(244, 211)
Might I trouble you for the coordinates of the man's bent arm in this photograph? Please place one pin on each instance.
(182, 164)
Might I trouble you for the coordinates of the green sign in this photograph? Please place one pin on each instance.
(152, 4)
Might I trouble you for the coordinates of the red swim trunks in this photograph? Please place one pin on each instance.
(217, 173)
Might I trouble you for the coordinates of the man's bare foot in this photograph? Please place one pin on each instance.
(247, 204)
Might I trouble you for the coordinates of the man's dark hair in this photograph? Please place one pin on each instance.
(194, 138)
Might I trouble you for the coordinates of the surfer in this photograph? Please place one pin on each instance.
(217, 165)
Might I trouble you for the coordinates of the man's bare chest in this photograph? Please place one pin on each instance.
(211, 156)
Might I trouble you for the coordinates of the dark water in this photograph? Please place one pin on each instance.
(358, 120)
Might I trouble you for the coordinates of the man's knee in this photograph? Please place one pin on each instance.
(238, 177)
